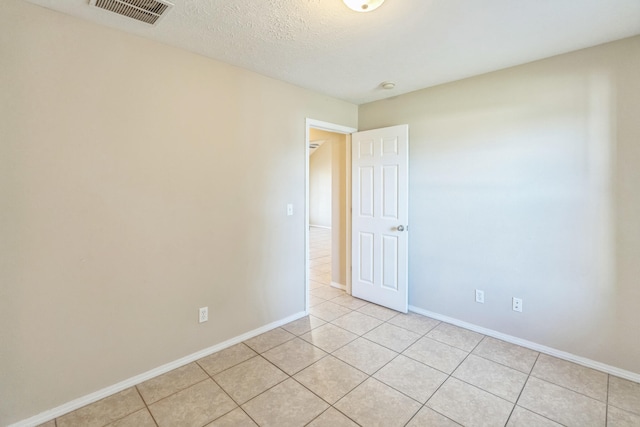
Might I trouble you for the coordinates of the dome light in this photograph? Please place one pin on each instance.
(363, 5)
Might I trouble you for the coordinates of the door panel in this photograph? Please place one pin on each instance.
(379, 222)
(366, 191)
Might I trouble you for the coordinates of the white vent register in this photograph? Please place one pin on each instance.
(148, 11)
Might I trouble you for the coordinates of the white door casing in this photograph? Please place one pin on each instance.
(380, 184)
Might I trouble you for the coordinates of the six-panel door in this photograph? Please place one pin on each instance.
(380, 215)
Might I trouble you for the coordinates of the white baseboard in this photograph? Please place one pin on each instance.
(49, 415)
(631, 376)
(338, 285)
(319, 226)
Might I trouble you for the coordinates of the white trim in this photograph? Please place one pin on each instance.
(631, 376)
(338, 286)
(347, 226)
(108, 391)
(319, 226)
(330, 127)
(306, 216)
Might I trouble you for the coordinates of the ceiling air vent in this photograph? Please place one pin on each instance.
(149, 11)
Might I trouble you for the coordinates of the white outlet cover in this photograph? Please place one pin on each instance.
(479, 296)
(517, 305)
(203, 314)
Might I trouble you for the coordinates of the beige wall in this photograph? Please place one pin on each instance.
(339, 256)
(524, 182)
(138, 182)
(320, 185)
(328, 196)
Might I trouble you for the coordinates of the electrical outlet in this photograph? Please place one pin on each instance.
(517, 304)
(479, 296)
(203, 314)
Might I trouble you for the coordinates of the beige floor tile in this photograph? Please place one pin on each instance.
(315, 285)
(436, 354)
(357, 322)
(469, 406)
(323, 278)
(490, 376)
(332, 418)
(287, 404)
(365, 355)
(414, 322)
(521, 417)
(328, 311)
(377, 311)
(619, 418)
(561, 405)
(329, 337)
(511, 355)
(427, 417)
(235, 418)
(414, 379)
(225, 359)
(195, 406)
(314, 301)
(572, 376)
(142, 418)
(454, 336)
(349, 302)
(268, 340)
(303, 325)
(320, 260)
(104, 411)
(393, 337)
(324, 268)
(173, 381)
(373, 403)
(327, 292)
(294, 355)
(624, 394)
(330, 378)
(249, 378)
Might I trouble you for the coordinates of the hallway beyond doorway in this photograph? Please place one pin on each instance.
(320, 259)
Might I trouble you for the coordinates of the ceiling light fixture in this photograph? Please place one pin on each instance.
(363, 5)
(387, 85)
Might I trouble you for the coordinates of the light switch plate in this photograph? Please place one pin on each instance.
(289, 209)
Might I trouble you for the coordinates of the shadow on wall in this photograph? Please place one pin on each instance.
(516, 197)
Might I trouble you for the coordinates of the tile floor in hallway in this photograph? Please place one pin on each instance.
(353, 363)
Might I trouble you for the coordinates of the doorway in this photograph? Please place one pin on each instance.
(328, 219)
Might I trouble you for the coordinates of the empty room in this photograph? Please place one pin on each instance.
(319, 213)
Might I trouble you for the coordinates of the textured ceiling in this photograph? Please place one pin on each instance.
(323, 46)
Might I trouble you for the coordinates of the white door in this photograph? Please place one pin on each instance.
(380, 178)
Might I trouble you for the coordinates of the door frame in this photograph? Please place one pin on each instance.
(335, 128)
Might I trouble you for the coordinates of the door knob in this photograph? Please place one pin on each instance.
(401, 228)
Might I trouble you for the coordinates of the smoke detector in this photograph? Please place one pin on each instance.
(147, 11)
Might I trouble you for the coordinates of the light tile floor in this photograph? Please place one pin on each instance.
(352, 363)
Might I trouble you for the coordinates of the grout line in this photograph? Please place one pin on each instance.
(145, 405)
(505, 366)
(414, 415)
(223, 390)
(569, 389)
(522, 391)
(606, 408)
(243, 411)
